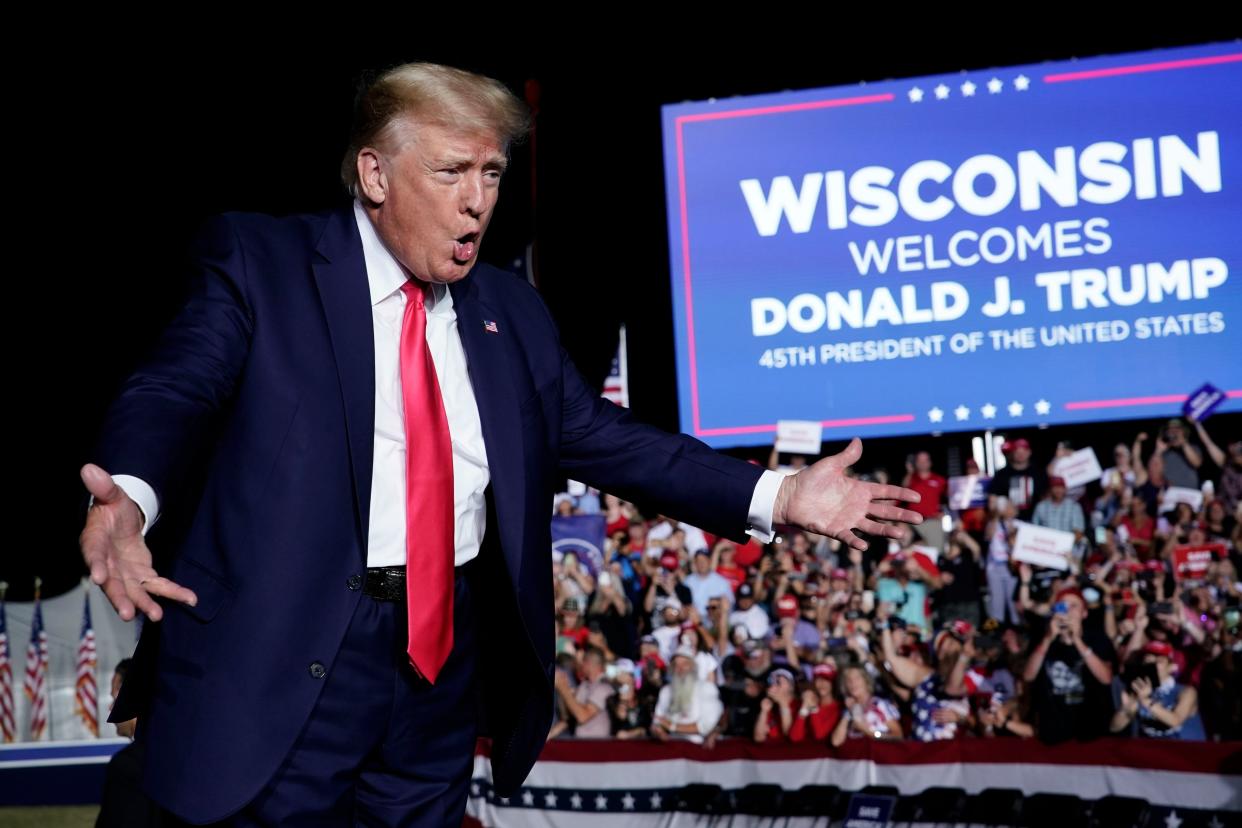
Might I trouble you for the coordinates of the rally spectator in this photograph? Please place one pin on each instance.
(1230, 464)
(819, 712)
(1138, 528)
(906, 580)
(938, 689)
(1162, 709)
(999, 715)
(587, 704)
(864, 715)
(1000, 533)
(932, 489)
(725, 563)
(1180, 457)
(1020, 482)
(779, 709)
(704, 583)
(1071, 673)
(749, 614)
(958, 597)
(1057, 511)
(688, 708)
(630, 718)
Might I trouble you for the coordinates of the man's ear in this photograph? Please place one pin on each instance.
(372, 175)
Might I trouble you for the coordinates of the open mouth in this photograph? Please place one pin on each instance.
(463, 246)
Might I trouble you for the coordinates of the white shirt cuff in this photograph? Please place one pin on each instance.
(762, 503)
(142, 494)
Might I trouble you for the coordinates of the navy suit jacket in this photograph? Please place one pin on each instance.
(268, 373)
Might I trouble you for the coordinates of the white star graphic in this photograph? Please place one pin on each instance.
(1015, 409)
(549, 800)
(1021, 83)
(935, 415)
(504, 800)
(988, 410)
(1042, 406)
(923, 713)
(968, 89)
(475, 790)
(942, 92)
(1216, 823)
(601, 802)
(627, 802)
(528, 798)
(995, 86)
(1172, 820)
(915, 94)
(656, 799)
(962, 413)
(575, 800)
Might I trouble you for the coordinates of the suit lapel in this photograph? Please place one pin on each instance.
(489, 357)
(341, 276)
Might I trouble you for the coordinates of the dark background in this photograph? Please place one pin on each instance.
(122, 144)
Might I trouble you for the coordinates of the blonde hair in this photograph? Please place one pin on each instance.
(430, 93)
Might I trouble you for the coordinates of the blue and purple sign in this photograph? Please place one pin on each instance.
(992, 249)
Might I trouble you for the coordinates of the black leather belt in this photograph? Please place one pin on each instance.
(387, 583)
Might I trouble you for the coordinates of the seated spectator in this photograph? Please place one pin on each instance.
(864, 715)
(587, 704)
(1071, 674)
(1165, 710)
(820, 710)
(688, 708)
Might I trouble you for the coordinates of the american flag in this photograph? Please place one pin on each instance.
(36, 674)
(86, 699)
(8, 726)
(489, 325)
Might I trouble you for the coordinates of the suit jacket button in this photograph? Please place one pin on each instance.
(354, 582)
(317, 670)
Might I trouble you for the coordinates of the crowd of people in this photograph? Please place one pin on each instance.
(943, 634)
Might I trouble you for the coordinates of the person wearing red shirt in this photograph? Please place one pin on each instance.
(933, 489)
(820, 709)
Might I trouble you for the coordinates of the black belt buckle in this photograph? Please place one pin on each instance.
(385, 583)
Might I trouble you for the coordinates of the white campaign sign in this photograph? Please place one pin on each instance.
(799, 436)
(1079, 468)
(1042, 546)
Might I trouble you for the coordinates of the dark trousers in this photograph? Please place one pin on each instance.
(382, 747)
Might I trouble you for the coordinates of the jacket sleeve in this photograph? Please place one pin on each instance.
(159, 417)
(604, 445)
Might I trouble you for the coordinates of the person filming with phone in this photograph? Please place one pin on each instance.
(1071, 672)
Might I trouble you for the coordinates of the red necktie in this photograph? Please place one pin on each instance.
(428, 495)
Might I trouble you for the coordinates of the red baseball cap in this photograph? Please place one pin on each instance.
(1056, 481)
(1010, 445)
(1159, 648)
(669, 561)
(824, 670)
(787, 606)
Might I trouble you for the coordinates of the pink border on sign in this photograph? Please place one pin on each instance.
(1162, 66)
(1123, 402)
(685, 254)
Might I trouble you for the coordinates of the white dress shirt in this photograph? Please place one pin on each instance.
(386, 539)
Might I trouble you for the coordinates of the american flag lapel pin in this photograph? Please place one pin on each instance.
(489, 325)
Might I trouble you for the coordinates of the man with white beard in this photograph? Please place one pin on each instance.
(687, 708)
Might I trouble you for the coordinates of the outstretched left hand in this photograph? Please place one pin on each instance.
(823, 499)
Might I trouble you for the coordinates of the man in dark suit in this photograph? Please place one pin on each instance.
(377, 402)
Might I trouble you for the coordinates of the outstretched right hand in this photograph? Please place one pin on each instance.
(116, 554)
